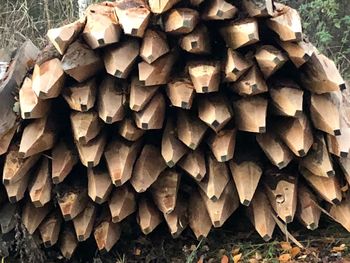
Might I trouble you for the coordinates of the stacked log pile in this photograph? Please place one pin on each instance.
(177, 111)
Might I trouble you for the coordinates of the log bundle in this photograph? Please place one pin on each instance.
(177, 112)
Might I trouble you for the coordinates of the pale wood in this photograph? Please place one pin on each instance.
(153, 115)
(128, 130)
(120, 58)
(327, 188)
(102, 26)
(32, 216)
(50, 229)
(190, 130)
(122, 203)
(133, 16)
(235, 65)
(252, 83)
(250, 114)
(140, 95)
(48, 79)
(164, 190)
(194, 164)
(64, 158)
(90, 153)
(85, 125)
(31, 106)
(15, 190)
(111, 100)
(8, 214)
(72, 203)
(68, 242)
(281, 189)
(181, 93)
(341, 213)
(260, 214)
(222, 144)
(320, 75)
(205, 75)
(246, 175)
(220, 210)
(82, 96)
(99, 185)
(275, 150)
(324, 112)
(344, 164)
(216, 179)
(147, 168)
(157, 73)
(41, 185)
(299, 53)
(84, 222)
(262, 8)
(241, 33)
(38, 136)
(308, 211)
(340, 145)
(161, 6)
(107, 235)
(120, 157)
(296, 133)
(219, 10)
(215, 111)
(177, 220)
(80, 62)
(6, 138)
(197, 41)
(62, 37)
(286, 22)
(148, 216)
(154, 45)
(172, 148)
(181, 21)
(270, 59)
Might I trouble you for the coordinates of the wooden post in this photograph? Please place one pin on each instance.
(85, 125)
(72, 203)
(180, 21)
(299, 52)
(15, 190)
(341, 213)
(270, 59)
(197, 41)
(99, 185)
(235, 66)
(161, 6)
(205, 75)
(68, 242)
(32, 216)
(90, 154)
(181, 93)
(262, 8)
(219, 10)
(122, 203)
(8, 214)
(128, 130)
(177, 220)
(140, 95)
(107, 235)
(84, 222)
(50, 229)
(194, 164)
(222, 144)
(154, 45)
(148, 216)
(40, 188)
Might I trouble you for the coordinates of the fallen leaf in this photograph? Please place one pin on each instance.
(224, 259)
(285, 246)
(237, 258)
(284, 258)
(295, 251)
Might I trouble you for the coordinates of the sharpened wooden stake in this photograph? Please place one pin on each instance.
(80, 62)
(85, 125)
(164, 190)
(219, 10)
(235, 65)
(148, 216)
(107, 235)
(153, 115)
(181, 93)
(220, 210)
(122, 203)
(172, 148)
(40, 188)
(140, 95)
(161, 6)
(205, 75)
(62, 37)
(32, 216)
(181, 21)
(308, 212)
(48, 79)
(82, 96)
(15, 190)
(299, 53)
(328, 188)
(241, 33)
(8, 216)
(128, 130)
(251, 114)
(147, 168)
(68, 242)
(344, 164)
(50, 229)
(262, 8)
(296, 133)
(177, 220)
(37, 137)
(246, 176)
(194, 164)
(154, 45)
(216, 179)
(281, 189)
(222, 144)
(90, 153)
(286, 22)
(190, 130)
(31, 106)
(341, 213)
(260, 214)
(340, 145)
(84, 222)
(72, 203)
(99, 185)
(6, 138)
(270, 59)
(64, 159)
(196, 42)
(133, 16)
(120, 58)
(120, 157)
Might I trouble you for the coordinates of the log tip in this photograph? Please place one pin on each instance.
(266, 237)
(223, 158)
(246, 202)
(109, 120)
(298, 36)
(336, 201)
(289, 219)
(337, 132)
(331, 173)
(170, 163)
(312, 226)
(13, 199)
(344, 154)
(185, 105)
(67, 217)
(301, 153)
(342, 87)
(262, 129)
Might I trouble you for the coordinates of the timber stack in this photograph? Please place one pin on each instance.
(176, 111)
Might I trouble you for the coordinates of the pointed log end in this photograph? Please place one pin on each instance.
(246, 202)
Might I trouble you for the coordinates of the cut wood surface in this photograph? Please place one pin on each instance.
(222, 144)
(148, 216)
(72, 203)
(50, 229)
(181, 93)
(122, 203)
(205, 76)
(64, 158)
(219, 10)
(194, 164)
(40, 189)
(99, 185)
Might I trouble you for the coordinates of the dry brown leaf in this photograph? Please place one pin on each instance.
(224, 259)
(237, 258)
(295, 251)
(285, 246)
(284, 258)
